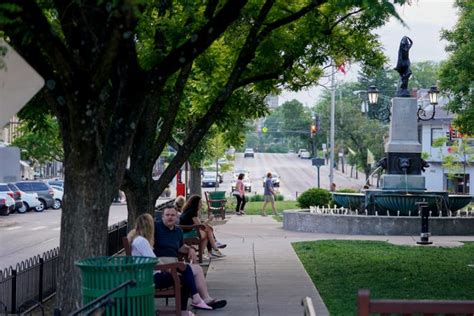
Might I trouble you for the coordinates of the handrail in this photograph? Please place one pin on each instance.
(104, 300)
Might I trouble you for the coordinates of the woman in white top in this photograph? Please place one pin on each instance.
(142, 239)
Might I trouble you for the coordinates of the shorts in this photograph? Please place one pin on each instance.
(190, 234)
(269, 198)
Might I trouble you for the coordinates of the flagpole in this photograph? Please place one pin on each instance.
(332, 119)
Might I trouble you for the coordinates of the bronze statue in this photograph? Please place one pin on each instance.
(403, 66)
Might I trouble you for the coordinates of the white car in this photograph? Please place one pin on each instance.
(305, 154)
(30, 201)
(8, 204)
(247, 184)
(236, 172)
(58, 196)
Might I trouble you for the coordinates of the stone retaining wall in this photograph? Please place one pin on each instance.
(304, 221)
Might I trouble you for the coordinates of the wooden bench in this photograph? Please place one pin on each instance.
(366, 306)
(174, 291)
(215, 205)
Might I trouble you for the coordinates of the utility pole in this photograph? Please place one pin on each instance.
(333, 110)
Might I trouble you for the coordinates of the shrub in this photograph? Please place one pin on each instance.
(347, 191)
(256, 198)
(314, 197)
(279, 197)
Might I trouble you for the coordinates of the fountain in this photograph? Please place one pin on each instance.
(393, 206)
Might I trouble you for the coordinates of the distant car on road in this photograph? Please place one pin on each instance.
(211, 172)
(247, 184)
(275, 179)
(249, 153)
(209, 181)
(305, 154)
(236, 173)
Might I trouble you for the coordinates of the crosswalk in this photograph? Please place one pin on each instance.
(58, 228)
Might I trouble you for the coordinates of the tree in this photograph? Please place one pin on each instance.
(40, 144)
(117, 74)
(457, 73)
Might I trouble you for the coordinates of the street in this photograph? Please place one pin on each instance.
(35, 233)
(296, 175)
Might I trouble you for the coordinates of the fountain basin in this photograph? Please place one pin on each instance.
(457, 202)
(353, 201)
(406, 204)
(305, 221)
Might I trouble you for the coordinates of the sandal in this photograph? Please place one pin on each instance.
(215, 304)
(201, 305)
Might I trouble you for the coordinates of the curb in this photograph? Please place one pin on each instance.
(6, 223)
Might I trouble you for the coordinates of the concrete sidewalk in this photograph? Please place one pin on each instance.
(261, 274)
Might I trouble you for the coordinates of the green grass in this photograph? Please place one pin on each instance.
(255, 208)
(339, 268)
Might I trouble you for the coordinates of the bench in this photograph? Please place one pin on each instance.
(216, 202)
(366, 306)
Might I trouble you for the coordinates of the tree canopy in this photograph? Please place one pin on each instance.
(457, 73)
(120, 74)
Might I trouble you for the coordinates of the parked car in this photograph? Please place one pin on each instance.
(209, 172)
(56, 182)
(249, 153)
(30, 201)
(44, 191)
(305, 154)
(300, 150)
(14, 193)
(247, 184)
(275, 179)
(7, 204)
(209, 181)
(58, 196)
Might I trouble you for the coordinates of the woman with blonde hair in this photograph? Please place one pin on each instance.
(142, 239)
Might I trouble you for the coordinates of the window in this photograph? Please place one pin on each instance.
(436, 133)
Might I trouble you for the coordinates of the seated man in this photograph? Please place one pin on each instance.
(169, 241)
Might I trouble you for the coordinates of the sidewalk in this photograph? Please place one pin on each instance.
(261, 274)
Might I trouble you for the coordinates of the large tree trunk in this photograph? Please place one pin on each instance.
(195, 181)
(85, 219)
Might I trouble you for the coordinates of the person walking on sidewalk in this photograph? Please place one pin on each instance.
(269, 194)
(240, 195)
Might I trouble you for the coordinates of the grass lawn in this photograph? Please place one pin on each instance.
(339, 268)
(255, 208)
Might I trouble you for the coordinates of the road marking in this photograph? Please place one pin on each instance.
(39, 227)
(57, 228)
(13, 228)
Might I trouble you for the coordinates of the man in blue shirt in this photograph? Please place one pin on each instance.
(269, 194)
(169, 241)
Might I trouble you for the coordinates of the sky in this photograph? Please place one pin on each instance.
(424, 18)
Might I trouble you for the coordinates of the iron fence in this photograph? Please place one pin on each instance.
(33, 281)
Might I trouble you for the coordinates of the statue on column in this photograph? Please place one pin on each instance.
(403, 66)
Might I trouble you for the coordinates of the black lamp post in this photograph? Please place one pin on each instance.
(433, 94)
(381, 113)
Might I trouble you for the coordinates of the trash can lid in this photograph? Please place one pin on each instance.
(119, 261)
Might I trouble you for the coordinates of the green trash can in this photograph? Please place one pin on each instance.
(102, 274)
(216, 206)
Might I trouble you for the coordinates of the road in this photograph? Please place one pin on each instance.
(296, 175)
(35, 233)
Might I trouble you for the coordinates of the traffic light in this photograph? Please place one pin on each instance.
(314, 130)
